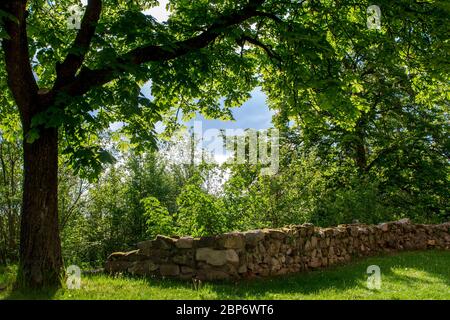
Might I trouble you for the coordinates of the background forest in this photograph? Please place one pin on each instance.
(392, 164)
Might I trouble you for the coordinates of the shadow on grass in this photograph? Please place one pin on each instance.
(44, 294)
(352, 276)
(403, 270)
(9, 289)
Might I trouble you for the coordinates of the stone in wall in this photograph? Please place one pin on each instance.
(267, 252)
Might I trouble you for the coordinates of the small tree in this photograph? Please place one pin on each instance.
(199, 213)
(158, 219)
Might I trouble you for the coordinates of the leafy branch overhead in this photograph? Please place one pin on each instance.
(117, 41)
(67, 81)
(314, 60)
(65, 73)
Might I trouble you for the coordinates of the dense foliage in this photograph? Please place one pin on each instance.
(363, 116)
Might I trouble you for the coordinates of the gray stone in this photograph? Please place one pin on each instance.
(126, 256)
(204, 242)
(117, 266)
(216, 257)
(185, 243)
(313, 242)
(184, 258)
(242, 269)
(253, 237)
(169, 270)
(274, 247)
(315, 263)
(232, 256)
(404, 221)
(145, 245)
(308, 245)
(275, 234)
(273, 251)
(185, 269)
(232, 240)
(163, 242)
(143, 267)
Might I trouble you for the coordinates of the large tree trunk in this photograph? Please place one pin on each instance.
(40, 246)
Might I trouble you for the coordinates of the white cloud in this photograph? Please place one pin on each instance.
(221, 158)
(160, 12)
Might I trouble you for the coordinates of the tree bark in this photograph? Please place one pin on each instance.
(360, 150)
(40, 246)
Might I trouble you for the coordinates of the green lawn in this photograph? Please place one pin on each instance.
(408, 275)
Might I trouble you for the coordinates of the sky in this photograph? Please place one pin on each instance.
(159, 13)
(253, 114)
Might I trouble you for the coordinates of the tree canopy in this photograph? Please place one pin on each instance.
(312, 58)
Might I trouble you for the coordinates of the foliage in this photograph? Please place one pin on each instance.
(159, 221)
(10, 189)
(199, 213)
(311, 58)
(318, 181)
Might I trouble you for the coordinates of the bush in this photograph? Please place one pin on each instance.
(158, 219)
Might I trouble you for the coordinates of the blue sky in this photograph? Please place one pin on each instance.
(253, 114)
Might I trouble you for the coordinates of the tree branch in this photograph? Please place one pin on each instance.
(17, 59)
(270, 16)
(67, 69)
(266, 48)
(87, 78)
(380, 156)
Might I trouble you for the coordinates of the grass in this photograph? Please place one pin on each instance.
(407, 275)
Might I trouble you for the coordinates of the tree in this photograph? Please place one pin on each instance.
(70, 85)
(159, 220)
(10, 185)
(40, 253)
(199, 213)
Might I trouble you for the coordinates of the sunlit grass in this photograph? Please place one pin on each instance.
(408, 275)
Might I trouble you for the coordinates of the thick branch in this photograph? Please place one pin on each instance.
(67, 69)
(88, 78)
(271, 16)
(17, 59)
(381, 155)
(265, 47)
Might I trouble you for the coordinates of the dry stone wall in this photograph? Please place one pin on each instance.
(270, 252)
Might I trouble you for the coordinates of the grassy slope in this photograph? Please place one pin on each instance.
(409, 275)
